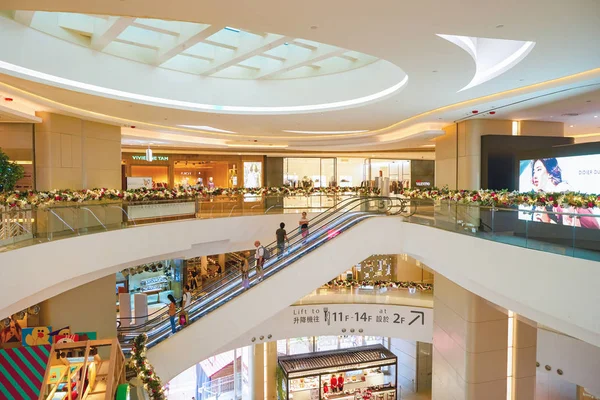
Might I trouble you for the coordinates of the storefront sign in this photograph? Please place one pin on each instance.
(154, 158)
(144, 211)
(423, 183)
(138, 182)
(410, 323)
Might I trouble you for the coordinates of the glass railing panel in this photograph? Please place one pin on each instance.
(575, 234)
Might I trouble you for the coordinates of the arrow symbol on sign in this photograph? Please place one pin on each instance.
(420, 314)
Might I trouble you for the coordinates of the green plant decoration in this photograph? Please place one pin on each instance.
(144, 370)
(10, 173)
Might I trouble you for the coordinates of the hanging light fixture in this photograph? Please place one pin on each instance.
(149, 154)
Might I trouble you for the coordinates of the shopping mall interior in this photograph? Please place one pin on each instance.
(315, 200)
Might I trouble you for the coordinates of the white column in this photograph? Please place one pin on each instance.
(257, 371)
(125, 309)
(271, 370)
(470, 345)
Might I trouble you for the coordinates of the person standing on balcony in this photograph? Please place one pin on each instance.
(172, 312)
(260, 259)
(281, 235)
(303, 224)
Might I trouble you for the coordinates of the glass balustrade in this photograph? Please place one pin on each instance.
(574, 234)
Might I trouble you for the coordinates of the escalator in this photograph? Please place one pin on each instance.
(323, 228)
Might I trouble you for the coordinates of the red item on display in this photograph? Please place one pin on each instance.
(333, 381)
(341, 381)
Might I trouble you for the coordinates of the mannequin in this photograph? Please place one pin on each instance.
(211, 184)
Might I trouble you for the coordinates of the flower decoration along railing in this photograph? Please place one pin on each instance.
(382, 284)
(33, 217)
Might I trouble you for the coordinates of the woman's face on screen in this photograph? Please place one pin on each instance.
(540, 175)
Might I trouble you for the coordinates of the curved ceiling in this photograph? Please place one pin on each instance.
(199, 49)
(404, 35)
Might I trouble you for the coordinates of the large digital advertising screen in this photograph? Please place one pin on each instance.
(561, 174)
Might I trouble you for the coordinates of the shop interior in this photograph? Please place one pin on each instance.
(390, 268)
(156, 280)
(392, 376)
(367, 371)
(158, 173)
(344, 172)
(210, 174)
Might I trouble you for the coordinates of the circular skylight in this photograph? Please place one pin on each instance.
(200, 49)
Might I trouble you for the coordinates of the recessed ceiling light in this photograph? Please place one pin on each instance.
(570, 126)
(326, 132)
(595, 116)
(205, 128)
(499, 26)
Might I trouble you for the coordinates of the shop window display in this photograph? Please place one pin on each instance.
(301, 345)
(347, 342)
(380, 267)
(252, 174)
(367, 372)
(324, 343)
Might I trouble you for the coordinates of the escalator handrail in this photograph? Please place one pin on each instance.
(315, 233)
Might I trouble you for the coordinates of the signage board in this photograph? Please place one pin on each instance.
(136, 182)
(154, 158)
(409, 323)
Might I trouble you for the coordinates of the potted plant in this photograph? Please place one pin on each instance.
(10, 173)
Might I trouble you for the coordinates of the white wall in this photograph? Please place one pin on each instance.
(578, 360)
(406, 351)
(550, 386)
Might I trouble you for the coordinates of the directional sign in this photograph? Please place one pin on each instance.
(409, 323)
(420, 315)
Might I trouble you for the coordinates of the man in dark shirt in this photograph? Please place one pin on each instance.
(281, 239)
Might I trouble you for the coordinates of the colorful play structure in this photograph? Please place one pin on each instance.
(86, 370)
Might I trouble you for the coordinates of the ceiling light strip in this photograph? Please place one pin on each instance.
(581, 75)
(325, 132)
(159, 101)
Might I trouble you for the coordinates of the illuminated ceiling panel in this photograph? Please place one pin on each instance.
(201, 49)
